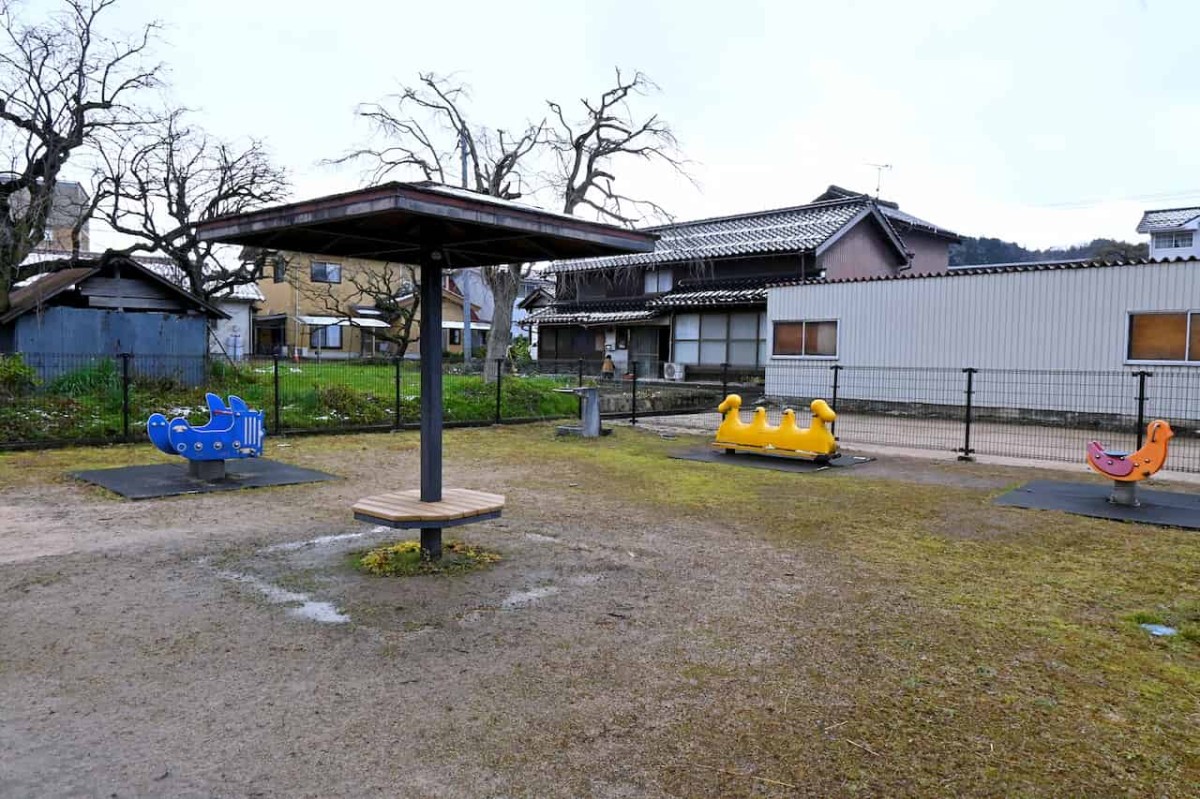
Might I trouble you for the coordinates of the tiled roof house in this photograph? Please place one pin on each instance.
(699, 298)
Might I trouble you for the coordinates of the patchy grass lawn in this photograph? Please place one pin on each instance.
(988, 652)
(997, 652)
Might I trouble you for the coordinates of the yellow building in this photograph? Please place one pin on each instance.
(317, 307)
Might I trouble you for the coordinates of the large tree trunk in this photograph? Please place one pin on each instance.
(504, 281)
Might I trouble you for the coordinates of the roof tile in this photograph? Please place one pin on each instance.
(1166, 219)
(800, 229)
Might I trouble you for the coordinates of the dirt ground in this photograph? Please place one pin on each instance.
(176, 647)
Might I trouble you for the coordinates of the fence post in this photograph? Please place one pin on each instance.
(833, 399)
(278, 404)
(581, 384)
(967, 452)
(724, 381)
(499, 380)
(125, 356)
(1141, 401)
(396, 420)
(633, 404)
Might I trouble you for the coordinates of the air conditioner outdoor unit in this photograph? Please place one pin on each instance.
(673, 371)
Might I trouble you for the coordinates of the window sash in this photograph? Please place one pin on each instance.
(815, 338)
(1159, 336)
(324, 272)
(325, 338)
(657, 281)
(1175, 240)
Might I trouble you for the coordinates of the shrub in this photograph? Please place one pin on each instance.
(98, 378)
(519, 351)
(17, 378)
(350, 405)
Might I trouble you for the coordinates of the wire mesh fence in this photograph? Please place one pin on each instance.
(57, 399)
(1040, 415)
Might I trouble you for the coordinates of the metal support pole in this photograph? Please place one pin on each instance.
(1141, 402)
(396, 418)
(431, 394)
(967, 452)
(465, 288)
(837, 370)
(499, 381)
(278, 416)
(125, 356)
(580, 383)
(724, 381)
(633, 404)
(1124, 493)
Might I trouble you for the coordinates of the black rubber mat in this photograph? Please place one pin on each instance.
(776, 462)
(1162, 508)
(171, 479)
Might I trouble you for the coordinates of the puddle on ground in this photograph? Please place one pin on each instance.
(522, 598)
(307, 608)
(545, 539)
(292, 546)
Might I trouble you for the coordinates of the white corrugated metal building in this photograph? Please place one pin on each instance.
(1090, 317)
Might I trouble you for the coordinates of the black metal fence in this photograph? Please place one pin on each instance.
(49, 400)
(1040, 415)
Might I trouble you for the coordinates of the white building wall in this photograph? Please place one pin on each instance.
(1178, 252)
(221, 339)
(1067, 319)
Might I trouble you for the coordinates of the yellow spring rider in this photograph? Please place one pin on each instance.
(814, 443)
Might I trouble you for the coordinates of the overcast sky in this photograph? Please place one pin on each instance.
(1045, 122)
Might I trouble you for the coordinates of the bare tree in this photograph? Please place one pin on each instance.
(62, 82)
(574, 158)
(388, 293)
(159, 186)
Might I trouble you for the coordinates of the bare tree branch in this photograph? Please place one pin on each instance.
(159, 186)
(425, 127)
(62, 83)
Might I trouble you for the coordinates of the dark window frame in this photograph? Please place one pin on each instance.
(324, 272)
(322, 333)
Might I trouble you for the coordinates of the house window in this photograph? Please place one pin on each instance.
(326, 338)
(455, 337)
(658, 281)
(1164, 336)
(809, 339)
(48, 235)
(323, 272)
(1177, 240)
(712, 339)
(279, 269)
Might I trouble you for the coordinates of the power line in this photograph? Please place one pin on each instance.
(1166, 196)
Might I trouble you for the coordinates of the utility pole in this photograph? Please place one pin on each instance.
(463, 274)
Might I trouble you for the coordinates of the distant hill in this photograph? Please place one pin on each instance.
(995, 251)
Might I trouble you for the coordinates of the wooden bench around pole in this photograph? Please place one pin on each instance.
(405, 510)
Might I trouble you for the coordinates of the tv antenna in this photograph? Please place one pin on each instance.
(879, 176)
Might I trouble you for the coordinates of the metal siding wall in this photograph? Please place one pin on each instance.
(1054, 320)
(80, 331)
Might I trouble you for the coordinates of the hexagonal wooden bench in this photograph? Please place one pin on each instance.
(405, 510)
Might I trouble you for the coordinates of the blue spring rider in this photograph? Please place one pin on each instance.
(231, 432)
